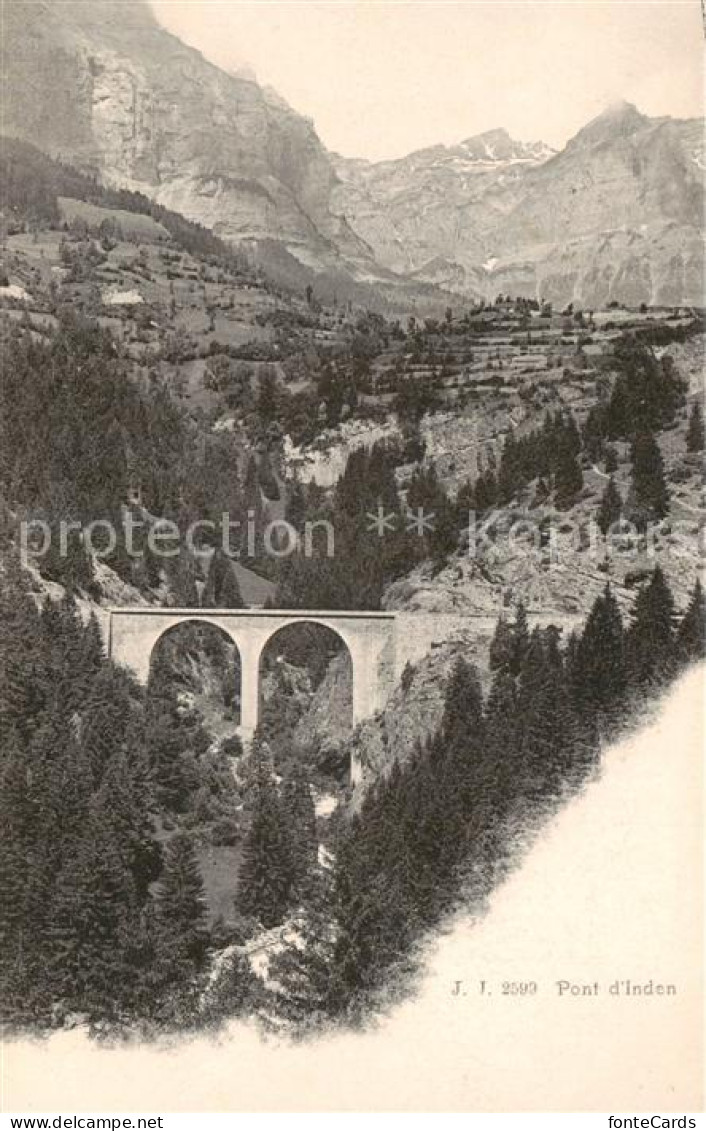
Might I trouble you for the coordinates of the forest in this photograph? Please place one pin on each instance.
(103, 914)
(179, 409)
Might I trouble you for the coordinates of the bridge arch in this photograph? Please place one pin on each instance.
(176, 642)
(310, 646)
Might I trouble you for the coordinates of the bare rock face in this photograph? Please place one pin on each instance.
(105, 87)
(618, 214)
(418, 212)
(414, 712)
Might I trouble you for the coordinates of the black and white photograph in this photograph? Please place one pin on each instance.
(352, 508)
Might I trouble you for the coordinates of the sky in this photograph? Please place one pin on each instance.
(380, 78)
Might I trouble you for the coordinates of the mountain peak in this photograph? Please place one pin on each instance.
(619, 119)
(497, 145)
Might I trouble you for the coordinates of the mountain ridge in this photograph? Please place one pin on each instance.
(616, 214)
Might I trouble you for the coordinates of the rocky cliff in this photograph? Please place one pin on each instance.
(105, 87)
(617, 214)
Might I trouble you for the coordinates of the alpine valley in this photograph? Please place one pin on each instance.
(617, 214)
(404, 461)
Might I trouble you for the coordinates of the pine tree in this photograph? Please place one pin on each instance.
(551, 753)
(695, 431)
(181, 932)
(93, 654)
(611, 507)
(92, 905)
(520, 639)
(77, 572)
(22, 696)
(230, 992)
(304, 971)
(502, 739)
(463, 707)
(651, 638)
(167, 740)
(265, 881)
(647, 391)
(125, 798)
(510, 477)
(107, 715)
(501, 646)
(222, 590)
(598, 664)
(18, 816)
(183, 580)
(568, 477)
(486, 491)
(298, 806)
(296, 507)
(649, 483)
(691, 635)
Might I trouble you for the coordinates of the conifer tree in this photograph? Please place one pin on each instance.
(183, 580)
(651, 637)
(107, 715)
(167, 740)
(181, 932)
(298, 806)
(611, 507)
(647, 391)
(501, 705)
(222, 590)
(304, 972)
(568, 477)
(125, 799)
(695, 431)
(486, 491)
(501, 646)
(18, 816)
(648, 480)
(296, 509)
(550, 751)
(598, 664)
(230, 596)
(265, 881)
(77, 569)
(231, 992)
(691, 635)
(92, 904)
(93, 654)
(463, 706)
(520, 639)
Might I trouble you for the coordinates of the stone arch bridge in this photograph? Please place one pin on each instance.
(380, 644)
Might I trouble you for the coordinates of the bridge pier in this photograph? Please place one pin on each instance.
(249, 691)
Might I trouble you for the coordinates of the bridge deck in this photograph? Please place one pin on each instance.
(301, 614)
